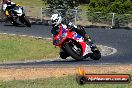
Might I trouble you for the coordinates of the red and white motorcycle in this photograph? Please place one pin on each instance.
(73, 44)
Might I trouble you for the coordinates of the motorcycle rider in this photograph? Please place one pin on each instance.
(56, 20)
(7, 7)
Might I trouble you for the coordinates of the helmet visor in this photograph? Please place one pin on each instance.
(54, 21)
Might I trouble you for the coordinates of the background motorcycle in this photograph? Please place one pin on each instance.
(73, 44)
(17, 14)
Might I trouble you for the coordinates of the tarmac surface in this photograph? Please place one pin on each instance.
(119, 39)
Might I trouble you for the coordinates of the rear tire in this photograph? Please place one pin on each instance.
(72, 53)
(14, 23)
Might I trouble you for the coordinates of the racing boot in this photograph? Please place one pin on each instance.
(63, 55)
(90, 43)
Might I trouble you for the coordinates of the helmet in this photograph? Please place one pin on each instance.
(17, 4)
(7, 1)
(56, 19)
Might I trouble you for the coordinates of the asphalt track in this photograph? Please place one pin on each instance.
(119, 39)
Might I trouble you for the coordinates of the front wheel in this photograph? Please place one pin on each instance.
(72, 52)
(25, 21)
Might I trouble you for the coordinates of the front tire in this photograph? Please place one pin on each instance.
(72, 53)
(25, 21)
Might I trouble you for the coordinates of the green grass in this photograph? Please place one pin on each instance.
(30, 3)
(63, 82)
(32, 7)
(16, 48)
(40, 3)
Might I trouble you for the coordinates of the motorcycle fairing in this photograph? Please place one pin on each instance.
(18, 10)
(86, 48)
(62, 36)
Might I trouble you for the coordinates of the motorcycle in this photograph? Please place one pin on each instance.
(73, 44)
(17, 15)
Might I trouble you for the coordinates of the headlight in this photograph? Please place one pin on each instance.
(56, 42)
(19, 14)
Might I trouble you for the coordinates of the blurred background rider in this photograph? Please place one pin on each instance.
(7, 6)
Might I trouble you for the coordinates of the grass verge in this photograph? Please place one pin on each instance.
(16, 48)
(62, 82)
(32, 3)
(59, 77)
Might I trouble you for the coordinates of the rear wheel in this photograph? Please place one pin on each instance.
(74, 51)
(12, 21)
(15, 23)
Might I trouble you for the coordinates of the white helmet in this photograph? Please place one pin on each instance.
(56, 19)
